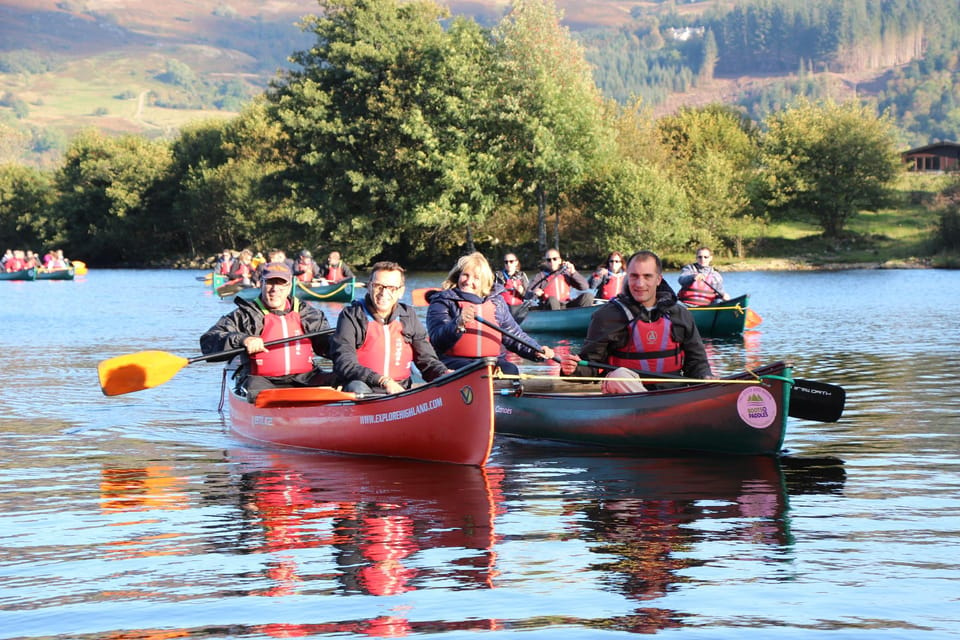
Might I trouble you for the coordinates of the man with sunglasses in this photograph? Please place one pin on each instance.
(700, 283)
(379, 339)
(552, 287)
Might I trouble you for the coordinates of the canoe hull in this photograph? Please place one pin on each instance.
(714, 418)
(449, 420)
(340, 292)
(56, 274)
(574, 320)
(23, 274)
(726, 318)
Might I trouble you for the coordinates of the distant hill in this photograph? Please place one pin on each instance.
(148, 67)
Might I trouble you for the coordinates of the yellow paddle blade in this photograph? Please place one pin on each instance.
(753, 319)
(137, 371)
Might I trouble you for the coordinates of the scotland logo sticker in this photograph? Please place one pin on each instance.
(757, 407)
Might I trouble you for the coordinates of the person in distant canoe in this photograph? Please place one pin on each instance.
(272, 315)
(305, 269)
(644, 328)
(379, 339)
(609, 277)
(242, 270)
(468, 292)
(336, 269)
(16, 263)
(700, 283)
(224, 263)
(513, 280)
(551, 287)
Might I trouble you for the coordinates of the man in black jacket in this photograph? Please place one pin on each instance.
(272, 315)
(644, 328)
(379, 339)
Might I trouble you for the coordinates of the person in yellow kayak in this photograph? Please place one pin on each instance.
(272, 315)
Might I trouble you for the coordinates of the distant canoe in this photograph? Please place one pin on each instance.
(338, 292)
(56, 274)
(573, 320)
(447, 420)
(745, 419)
(723, 318)
(23, 274)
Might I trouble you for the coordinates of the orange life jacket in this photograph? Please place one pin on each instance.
(613, 286)
(510, 294)
(282, 359)
(651, 346)
(478, 340)
(698, 294)
(556, 286)
(334, 274)
(385, 350)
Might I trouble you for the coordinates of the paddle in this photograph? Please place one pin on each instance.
(148, 369)
(809, 399)
(419, 296)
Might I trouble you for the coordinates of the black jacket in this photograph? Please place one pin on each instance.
(608, 332)
(246, 320)
(352, 331)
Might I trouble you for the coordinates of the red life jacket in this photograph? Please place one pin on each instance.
(16, 264)
(613, 286)
(698, 294)
(243, 273)
(651, 346)
(307, 275)
(334, 274)
(556, 286)
(282, 359)
(384, 349)
(478, 340)
(510, 294)
(225, 267)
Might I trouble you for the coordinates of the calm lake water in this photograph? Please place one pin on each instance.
(138, 516)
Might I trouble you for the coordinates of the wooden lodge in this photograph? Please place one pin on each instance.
(939, 156)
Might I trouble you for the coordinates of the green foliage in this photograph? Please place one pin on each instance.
(108, 200)
(26, 196)
(828, 161)
(713, 154)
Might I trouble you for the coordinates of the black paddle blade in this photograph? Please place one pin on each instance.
(812, 400)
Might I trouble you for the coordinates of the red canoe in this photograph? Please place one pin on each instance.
(447, 420)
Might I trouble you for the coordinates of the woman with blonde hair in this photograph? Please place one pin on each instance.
(470, 292)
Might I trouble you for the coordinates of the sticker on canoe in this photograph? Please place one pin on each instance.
(757, 407)
(402, 414)
(466, 394)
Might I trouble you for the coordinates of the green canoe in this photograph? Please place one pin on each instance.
(338, 292)
(723, 318)
(745, 414)
(23, 274)
(56, 274)
(574, 320)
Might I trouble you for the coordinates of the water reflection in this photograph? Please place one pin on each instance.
(374, 519)
(648, 517)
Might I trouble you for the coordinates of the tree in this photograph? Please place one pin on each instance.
(712, 153)
(827, 160)
(549, 106)
(385, 128)
(108, 198)
(26, 196)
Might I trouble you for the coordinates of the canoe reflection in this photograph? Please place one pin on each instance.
(373, 516)
(651, 519)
